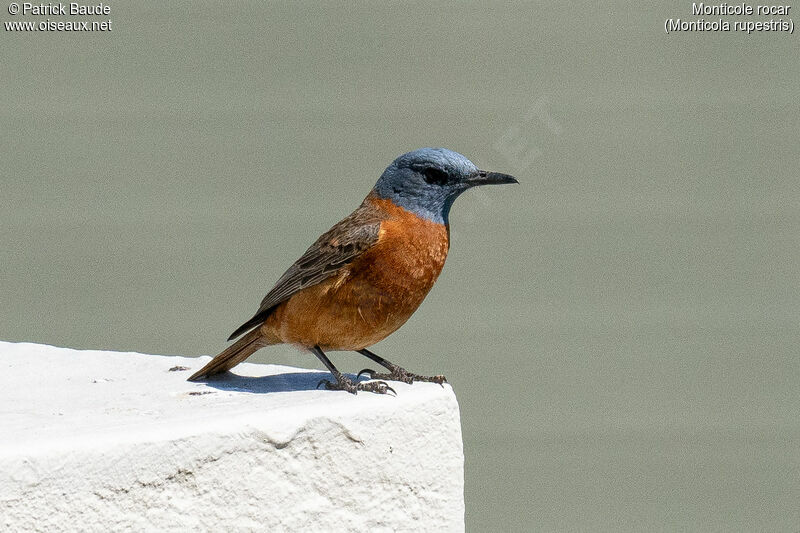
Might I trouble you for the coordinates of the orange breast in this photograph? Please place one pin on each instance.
(374, 295)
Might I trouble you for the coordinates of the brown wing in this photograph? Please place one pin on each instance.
(335, 249)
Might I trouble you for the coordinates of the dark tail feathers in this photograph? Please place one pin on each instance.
(232, 355)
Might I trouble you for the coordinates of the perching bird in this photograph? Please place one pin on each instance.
(363, 278)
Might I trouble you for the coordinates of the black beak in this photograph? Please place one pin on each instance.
(490, 178)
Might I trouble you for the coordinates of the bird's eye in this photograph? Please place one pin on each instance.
(435, 176)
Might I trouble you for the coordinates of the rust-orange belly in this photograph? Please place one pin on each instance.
(374, 295)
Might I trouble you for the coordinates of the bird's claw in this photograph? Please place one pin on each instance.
(401, 374)
(379, 387)
(368, 371)
(346, 384)
(440, 379)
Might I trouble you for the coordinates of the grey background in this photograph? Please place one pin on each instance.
(621, 329)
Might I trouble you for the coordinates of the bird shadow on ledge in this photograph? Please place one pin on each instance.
(287, 382)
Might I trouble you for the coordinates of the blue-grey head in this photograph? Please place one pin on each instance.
(427, 181)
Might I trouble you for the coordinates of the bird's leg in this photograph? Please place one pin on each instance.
(343, 382)
(396, 373)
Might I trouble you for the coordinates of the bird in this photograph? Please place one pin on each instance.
(364, 278)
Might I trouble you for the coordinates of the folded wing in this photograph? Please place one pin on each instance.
(334, 250)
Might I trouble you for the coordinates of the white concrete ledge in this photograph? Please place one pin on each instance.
(99, 441)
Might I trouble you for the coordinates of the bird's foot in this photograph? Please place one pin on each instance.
(397, 373)
(346, 384)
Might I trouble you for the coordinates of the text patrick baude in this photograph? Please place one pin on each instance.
(73, 8)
